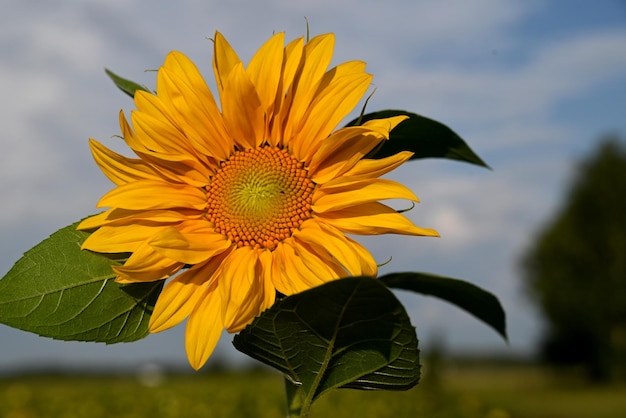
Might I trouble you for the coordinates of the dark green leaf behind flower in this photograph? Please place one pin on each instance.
(478, 302)
(425, 137)
(351, 332)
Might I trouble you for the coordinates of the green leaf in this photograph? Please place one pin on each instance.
(351, 333)
(478, 302)
(57, 290)
(425, 137)
(127, 86)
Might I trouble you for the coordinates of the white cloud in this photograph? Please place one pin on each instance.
(519, 99)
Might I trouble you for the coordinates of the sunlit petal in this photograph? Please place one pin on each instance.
(263, 73)
(191, 243)
(352, 256)
(182, 293)
(148, 194)
(241, 108)
(298, 276)
(224, 60)
(119, 239)
(119, 169)
(155, 217)
(240, 288)
(331, 105)
(146, 265)
(343, 193)
(345, 148)
(316, 58)
(376, 168)
(373, 219)
(204, 328)
(178, 299)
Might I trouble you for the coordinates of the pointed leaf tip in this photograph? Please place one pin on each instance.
(127, 86)
(425, 137)
(478, 302)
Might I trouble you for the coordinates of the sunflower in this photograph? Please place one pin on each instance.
(236, 204)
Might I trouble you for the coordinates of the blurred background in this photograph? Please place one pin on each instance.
(537, 89)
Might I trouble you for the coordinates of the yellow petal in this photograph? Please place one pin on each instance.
(178, 299)
(119, 239)
(353, 69)
(132, 140)
(146, 265)
(156, 127)
(341, 151)
(94, 221)
(373, 219)
(270, 270)
(298, 276)
(191, 242)
(183, 88)
(184, 72)
(330, 106)
(344, 192)
(204, 328)
(182, 293)
(179, 168)
(368, 265)
(318, 53)
(119, 169)
(204, 129)
(118, 217)
(240, 290)
(375, 168)
(224, 60)
(172, 144)
(127, 132)
(153, 194)
(185, 163)
(352, 256)
(241, 108)
(386, 125)
(292, 59)
(184, 167)
(325, 266)
(264, 70)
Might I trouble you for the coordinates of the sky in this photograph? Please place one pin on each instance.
(531, 86)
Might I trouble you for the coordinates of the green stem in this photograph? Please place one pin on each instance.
(296, 408)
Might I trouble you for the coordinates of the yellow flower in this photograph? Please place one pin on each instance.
(239, 203)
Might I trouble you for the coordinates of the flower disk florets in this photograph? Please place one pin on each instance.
(259, 197)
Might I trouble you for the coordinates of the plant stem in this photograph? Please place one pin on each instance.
(295, 398)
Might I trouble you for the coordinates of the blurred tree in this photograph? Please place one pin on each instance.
(576, 269)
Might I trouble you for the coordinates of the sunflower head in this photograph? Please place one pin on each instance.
(238, 201)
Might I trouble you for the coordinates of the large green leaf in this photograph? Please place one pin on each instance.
(478, 302)
(127, 86)
(425, 137)
(59, 291)
(351, 332)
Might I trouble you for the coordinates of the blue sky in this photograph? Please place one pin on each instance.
(531, 86)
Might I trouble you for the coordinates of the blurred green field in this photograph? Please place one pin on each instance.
(477, 391)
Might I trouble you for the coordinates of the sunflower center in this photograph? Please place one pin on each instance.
(259, 197)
